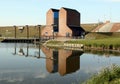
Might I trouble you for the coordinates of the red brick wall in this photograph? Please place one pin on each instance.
(49, 21)
(63, 55)
(66, 18)
(63, 28)
(67, 62)
(49, 62)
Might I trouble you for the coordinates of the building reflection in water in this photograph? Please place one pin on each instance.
(64, 61)
(52, 63)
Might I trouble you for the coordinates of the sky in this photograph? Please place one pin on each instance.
(33, 12)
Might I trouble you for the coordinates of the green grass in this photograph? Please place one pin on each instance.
(101, 35)
(89, 27)
(9, 31)
(104, 43)
(1, 39)
(109, 75)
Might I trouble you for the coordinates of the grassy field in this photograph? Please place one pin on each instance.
(109, 75)
(9, 31)
(96, 41)
(101, 35)
(89, 27)
(1, 39)
(106, 43)
(108, 40)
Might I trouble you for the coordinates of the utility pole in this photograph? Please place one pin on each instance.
(15, 31)
(27, 31)
(39, 26)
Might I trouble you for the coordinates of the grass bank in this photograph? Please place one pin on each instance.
(9, 31)
(109, 75)
(106, 43)
(101, 35)
(89, 27)
(101, 44)
(1, 39)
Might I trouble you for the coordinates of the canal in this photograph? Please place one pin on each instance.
(34, 64)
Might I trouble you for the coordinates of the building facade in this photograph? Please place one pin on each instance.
(64, 22)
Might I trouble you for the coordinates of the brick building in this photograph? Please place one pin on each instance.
(64, 22)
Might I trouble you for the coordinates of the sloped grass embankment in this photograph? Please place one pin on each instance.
(109, 75)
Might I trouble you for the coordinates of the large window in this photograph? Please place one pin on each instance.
(56, 14)
(56, 19)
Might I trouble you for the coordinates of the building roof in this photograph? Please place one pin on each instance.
(55, 10)
(108, 27)
(77, 28)
(69, 9)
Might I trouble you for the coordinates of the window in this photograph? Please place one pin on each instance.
(46, 33)
(67, 34)
(56, 14)
(56, 19)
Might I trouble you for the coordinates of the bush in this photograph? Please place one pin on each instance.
(109, 75)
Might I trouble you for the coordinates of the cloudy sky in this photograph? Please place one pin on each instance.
(33, 12)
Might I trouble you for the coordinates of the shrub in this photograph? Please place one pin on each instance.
(108, 75)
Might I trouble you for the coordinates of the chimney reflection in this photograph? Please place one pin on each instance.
(64, 61)
(52, 61)
(69, 61)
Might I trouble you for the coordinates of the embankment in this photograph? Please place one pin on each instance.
(87, 44)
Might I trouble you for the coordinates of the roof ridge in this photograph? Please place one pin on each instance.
(54, 9)
(69, 8)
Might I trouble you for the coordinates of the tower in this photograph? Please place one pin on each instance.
(64, 22)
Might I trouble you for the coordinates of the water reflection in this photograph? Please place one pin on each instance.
(15, 50)
(62, 61)
(106, 53)
(65, 61)
(50, 66)
(27, 54)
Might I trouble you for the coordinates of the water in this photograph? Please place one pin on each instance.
(28, 64)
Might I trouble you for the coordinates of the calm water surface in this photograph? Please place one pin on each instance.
(27, 64)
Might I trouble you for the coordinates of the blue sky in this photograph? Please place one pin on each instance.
(33, 12)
